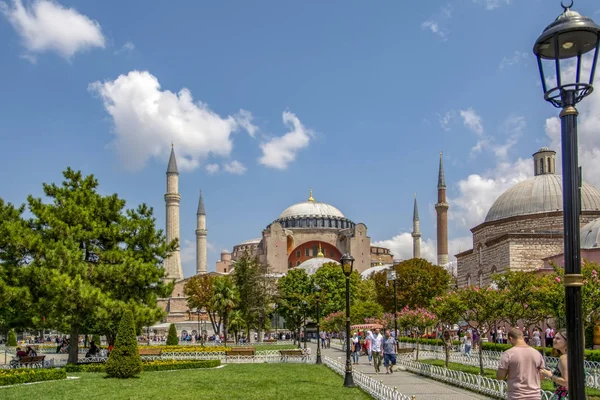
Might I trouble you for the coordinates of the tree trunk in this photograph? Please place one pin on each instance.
(479, 342)
(417, 338)
(74, 344)
(225, 329)
(447, 344)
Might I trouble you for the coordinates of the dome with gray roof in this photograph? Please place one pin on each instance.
(541, 193)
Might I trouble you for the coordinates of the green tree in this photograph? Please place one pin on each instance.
(224, 300)
(447, 309)
(172, 338)
(200, 290)
(294, 288)
(418, 281)
(363, 310)
(367, 290)
(256, 290)
(124, 360)
(482, 309)
(332, 281)
(12, 338)
(90, 259)
(417, 320)
(236, 323)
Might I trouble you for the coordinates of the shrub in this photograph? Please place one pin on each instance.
(26, 375)
(172, 339)
(96, 339)
(187, 349)
(124, 360)
(11, 341)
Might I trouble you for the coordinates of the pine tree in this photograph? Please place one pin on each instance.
(12, 338)
(124, 360)
(172, 339)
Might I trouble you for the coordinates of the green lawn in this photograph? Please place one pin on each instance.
(491, 373)
(234, 381)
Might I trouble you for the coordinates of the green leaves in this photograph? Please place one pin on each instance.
(124, 360)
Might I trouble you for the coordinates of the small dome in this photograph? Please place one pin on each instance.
(366, 274)
(539, 194)
(312, 265)
(590, 235)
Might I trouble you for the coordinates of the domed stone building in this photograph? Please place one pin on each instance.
(524, 226)
(304, 231)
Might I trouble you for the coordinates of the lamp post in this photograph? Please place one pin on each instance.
(568, 39)
(276, 320)
(317, 300)
(347, 262)
(391, 276)
(304, 304)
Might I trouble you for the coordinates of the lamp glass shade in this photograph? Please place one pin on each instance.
(347, 262)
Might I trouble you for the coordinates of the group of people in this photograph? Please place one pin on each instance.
(523, 368)
(532, 337)
(28, 352)
(377, 347)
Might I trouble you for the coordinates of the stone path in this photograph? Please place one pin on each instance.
(407, 383)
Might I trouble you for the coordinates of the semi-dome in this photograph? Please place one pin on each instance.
(590, 235)
(313, 264)
(539, 194)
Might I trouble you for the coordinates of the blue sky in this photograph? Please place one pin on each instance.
(265, 100)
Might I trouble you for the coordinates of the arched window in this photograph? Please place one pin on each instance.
(297, 263)
(480, 254)
(480, 278)
(541, 165)
(494, 270)
(549, 166)
(469, 280)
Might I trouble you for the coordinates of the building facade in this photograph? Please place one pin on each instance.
(524, 226)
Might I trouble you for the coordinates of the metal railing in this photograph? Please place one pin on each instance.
(378, 390)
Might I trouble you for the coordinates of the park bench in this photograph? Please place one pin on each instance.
(150, 353)
(241, 351)
(292, 353)
(29, 362)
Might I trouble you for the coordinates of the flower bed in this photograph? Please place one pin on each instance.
(26, 375)
(158, 365)
(187, 349)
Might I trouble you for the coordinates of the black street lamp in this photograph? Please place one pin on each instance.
(318, 299)
(276, 320)
(304, 304)
(567, 39)
(391, 276)
(347, 262)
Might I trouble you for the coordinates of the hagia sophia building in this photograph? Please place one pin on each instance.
(305, 235)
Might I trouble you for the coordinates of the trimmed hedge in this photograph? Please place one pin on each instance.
(186, 349)
(589, 355)
(124, 360)
(159, 365)
(26, 375)
(172, 339)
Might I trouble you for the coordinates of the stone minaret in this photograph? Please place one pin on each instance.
(172, 199)
(201, 237)
(416, 233)
(441, 208)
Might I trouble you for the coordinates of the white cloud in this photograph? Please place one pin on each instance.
(435, 28)
(492, 4)
(48, 26)
(515, 59)
(279, 152)
(234, 167)
(513, 128)
(212, 169)
(244, 118)
(472, 120)
(445, 119)
(127, 47)
(477, 193)
(147, 119)
(401, 246)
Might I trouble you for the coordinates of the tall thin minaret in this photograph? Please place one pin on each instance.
(441, 208)
(201, 237)
(416, 233)
(172, 199)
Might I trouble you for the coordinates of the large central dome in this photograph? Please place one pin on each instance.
(540, 194)
(313, 214)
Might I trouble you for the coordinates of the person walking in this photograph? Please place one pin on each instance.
(355, 344)
(377, 349)
(559, 376)
(468, 343)
(368, 344)
(390, 349)
(521, 367)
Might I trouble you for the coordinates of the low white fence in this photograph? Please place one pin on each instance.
(477, 383)
(378, 390)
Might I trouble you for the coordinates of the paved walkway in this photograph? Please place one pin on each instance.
(407, 383)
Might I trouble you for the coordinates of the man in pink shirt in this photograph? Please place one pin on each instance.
(520, 366)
